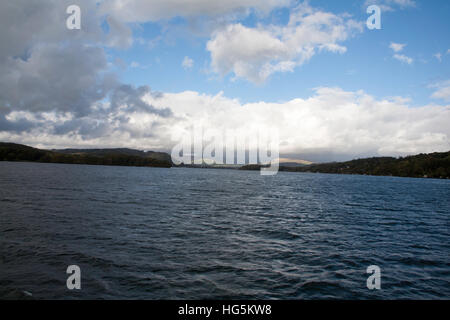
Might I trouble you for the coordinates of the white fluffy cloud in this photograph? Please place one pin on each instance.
(438, 56)
(403, 58)
(391, 5)
(187, 63)
(332, 121)
(397, 47)
(442, 90)
(256, 53)
(155, 10)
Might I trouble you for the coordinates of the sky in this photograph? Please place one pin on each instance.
(140, 74)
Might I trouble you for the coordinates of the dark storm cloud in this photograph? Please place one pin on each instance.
(46, 68)
(28, 23)
(85, 127)
(125, 102)
(66, 78)
(18, 126)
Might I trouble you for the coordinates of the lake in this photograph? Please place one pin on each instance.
(179, 233)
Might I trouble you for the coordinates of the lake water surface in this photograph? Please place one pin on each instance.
(151, 233)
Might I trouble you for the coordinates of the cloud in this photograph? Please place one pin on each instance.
(187, 63)
(55, 77)
(135, 64)
(330, 122)
(126, 116)
(156, 10)
(391, 5)
(132, 100)
(397, 47)
(442, 90)
(403, 58)
(33, 22)
(438, 56)
(120, 34)
(26, 23)
(44, 66)
(46, 69)
(256, 53)
(404, 3)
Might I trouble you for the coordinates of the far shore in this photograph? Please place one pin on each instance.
(433, 165)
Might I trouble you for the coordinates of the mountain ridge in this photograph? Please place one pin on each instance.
(431, 165)
(117, 157)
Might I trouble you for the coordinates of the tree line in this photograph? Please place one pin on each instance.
(18, 152)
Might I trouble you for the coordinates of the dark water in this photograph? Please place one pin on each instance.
(151, 233)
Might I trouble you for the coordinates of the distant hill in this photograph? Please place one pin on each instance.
(118, 151)
(292, 164)
(116, 157)
(288, 162)
(433, 165)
